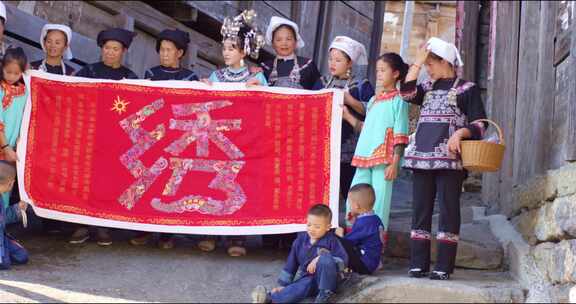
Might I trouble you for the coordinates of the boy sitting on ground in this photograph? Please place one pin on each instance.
(10, 251)
(314, 266)
(363, 243)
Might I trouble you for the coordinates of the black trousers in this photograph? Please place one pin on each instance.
(446, 185)
(354, 257)
(346, 175)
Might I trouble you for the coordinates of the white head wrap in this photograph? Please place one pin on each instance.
(58, 27)
(354, 49)
(275, 22)
(3, 11)
(446, 50)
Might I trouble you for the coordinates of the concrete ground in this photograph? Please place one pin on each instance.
(59, 272)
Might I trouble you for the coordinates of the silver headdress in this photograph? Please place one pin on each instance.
(244, 27)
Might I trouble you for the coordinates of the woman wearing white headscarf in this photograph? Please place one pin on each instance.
(55, 40)
(287, 69)
(449, 107)
(344, 52)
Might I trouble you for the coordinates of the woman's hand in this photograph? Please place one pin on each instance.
(253, 82)
(277, 289)
(10, 155)
(391, 172)
(456, 139)
(421, 55)
(23, 205)
(206, 81)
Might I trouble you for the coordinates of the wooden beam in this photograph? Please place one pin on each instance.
(546, 84)
(153, 21)
(28, 27)
(497, 186)
(376, 40)
(527, 106)
(321, 30)
(570, 147)
(467, 19)
(406, 28)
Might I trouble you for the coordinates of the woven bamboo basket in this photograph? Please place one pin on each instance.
(483, 156)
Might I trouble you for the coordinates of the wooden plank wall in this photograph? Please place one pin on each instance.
(570, 150)
(529, 140)
(502, 92)
(468, 18)
(531, 98)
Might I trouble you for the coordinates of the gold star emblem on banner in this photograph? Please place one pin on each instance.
(120, 106)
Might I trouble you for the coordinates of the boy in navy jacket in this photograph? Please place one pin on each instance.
(363, 243)
(10, 251)
(314, 266)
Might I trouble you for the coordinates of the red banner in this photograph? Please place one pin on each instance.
(177, 156)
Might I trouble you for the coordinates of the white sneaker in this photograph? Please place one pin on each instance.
(259, 294)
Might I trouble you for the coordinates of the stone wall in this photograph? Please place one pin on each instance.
(544, 212)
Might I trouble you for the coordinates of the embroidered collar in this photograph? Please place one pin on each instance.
(387, 95)
(44, 66)
(369, 213)
(11, 92)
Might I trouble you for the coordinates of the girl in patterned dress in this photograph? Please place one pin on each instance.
(13, 94)
(384, 135)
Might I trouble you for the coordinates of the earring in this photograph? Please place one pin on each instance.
(241, 62)
(349, 73)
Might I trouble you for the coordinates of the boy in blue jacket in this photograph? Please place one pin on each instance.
(363, 243)
(10, 251)
(314, 266)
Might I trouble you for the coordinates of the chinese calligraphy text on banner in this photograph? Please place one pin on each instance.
(178, 157)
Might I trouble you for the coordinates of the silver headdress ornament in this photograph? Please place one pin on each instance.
(253, 39)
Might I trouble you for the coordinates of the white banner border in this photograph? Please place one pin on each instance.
(335, 134)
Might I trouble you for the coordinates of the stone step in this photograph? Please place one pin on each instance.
(477, 249)
(465, 286)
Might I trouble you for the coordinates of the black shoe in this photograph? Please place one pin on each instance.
(439, 275)
(417, 273)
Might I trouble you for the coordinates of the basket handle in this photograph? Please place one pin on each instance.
(497, 128)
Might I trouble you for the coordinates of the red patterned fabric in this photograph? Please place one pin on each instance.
(176, 156)
(10, 92)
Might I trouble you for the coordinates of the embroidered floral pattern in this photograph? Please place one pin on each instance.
(447, 237)
(201, 130)
(143, 140)
(384, 154)
(11, 92)
(225, 180)
(436, 113)
(420, 235)
(204, 129)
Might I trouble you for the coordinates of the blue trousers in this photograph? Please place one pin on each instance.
(13, 253)
(325, 278)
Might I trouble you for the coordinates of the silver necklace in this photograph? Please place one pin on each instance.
(43, 67)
